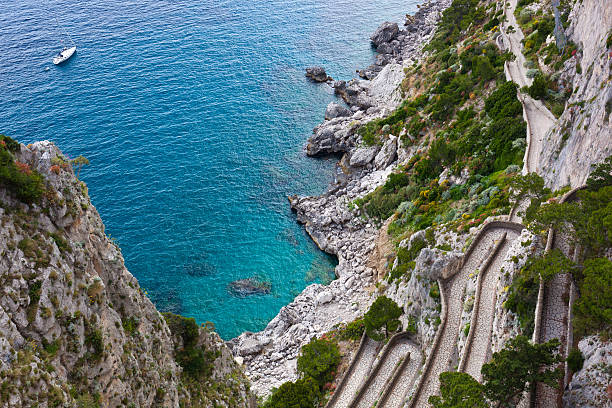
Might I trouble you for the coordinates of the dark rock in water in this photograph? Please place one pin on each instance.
(249, 286)
(335, 110)
(317, 74)
(385, 33)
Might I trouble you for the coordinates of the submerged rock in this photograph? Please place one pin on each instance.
(249, 286)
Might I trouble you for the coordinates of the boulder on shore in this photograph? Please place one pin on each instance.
(335, 110)
(317, 74)
(385, 33)
(249, 286)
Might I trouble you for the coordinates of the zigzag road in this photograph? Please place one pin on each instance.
(441, 357)
(356, 375)
(539, 119)
(478, 346)
(555, 312)
(398, 349)
(398, 387)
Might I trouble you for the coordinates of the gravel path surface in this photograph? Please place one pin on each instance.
(358, 375)
(382, 373)
(478, 350)
(395, 396)
(444, 356)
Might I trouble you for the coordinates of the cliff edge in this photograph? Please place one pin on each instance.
(76, 329)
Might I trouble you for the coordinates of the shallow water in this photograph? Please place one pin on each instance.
(193, 115)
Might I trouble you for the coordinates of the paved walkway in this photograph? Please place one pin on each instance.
(539, 119)
(443, 357)
(554, 323)
(357, 377)
(368, 396)
(403, 381)
(478, 351)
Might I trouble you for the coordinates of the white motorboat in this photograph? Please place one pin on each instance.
(64, 55)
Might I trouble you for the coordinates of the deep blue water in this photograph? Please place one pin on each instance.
(193, 114)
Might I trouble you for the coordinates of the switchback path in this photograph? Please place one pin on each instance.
(398, 387)
(442, 355)
(396, 351)
(555, 312)
(356, 375)
(477, 350)
(539, 119)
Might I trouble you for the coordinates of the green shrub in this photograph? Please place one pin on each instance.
(587, 221)
(503, 101)
(523, 292)
(593, 310)
(601, 176)
(406, 255)
(353, 330)
(10, 144)
(93, 339)
(25, 183)
(538, 88)
(382, 318)
(575, 360)
(61, 243)
(183, 326)
(482, 68)
(401, 270)
(412, 325)
(318, 360)
(195, 361)
(130, 325)
(303, 393)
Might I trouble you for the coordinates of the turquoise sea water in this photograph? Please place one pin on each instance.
(193, 114)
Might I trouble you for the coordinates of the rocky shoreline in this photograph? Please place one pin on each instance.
(269, 356)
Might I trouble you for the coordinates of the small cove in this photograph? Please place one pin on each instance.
(193, 115)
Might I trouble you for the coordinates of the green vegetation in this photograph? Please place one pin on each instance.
(318, 360)
(18, 177)
(515, 369)
(382, 318)
(523, 293)
(61, 243)
(575, 360)
(93, 340)
(601, 176)
(303, 393)
(130, 325)
(593, 310)
(353, 330)
(459, 390)
(195, 360)
(316, 365)
(588, 221)
(79, 161)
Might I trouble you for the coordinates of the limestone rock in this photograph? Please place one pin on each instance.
(335, 110)
(363, 156)
(385, 33)
(588, 386)
(73, 297)
(387, 154)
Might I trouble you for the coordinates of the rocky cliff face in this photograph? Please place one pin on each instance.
(75, 326)
(582, 135)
